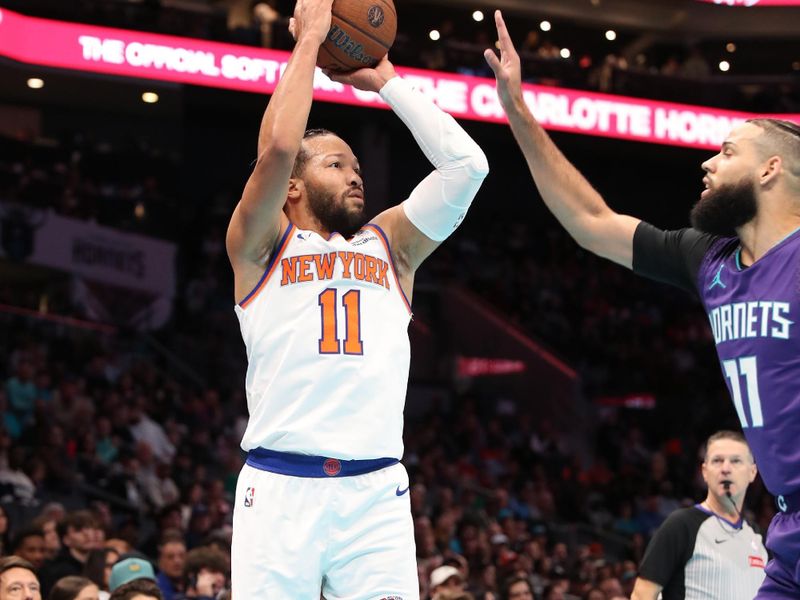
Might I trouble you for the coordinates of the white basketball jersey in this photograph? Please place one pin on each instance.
(326, 333)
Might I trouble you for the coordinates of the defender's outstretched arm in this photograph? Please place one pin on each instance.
(572, 199)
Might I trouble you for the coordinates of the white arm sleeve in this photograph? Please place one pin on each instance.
(439, 203)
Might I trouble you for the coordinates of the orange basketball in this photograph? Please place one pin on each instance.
(362, 31)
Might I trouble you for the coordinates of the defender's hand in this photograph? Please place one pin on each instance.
(311, 20)
(507, 70)
(367, 79)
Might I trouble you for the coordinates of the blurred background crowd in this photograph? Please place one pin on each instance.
(118, 439)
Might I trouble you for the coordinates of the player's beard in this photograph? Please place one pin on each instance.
(726, 208)
(331, 211)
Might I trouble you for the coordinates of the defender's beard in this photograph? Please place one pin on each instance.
(726, 208)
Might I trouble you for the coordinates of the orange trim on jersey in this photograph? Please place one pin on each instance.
(273, 262)
(385, 241)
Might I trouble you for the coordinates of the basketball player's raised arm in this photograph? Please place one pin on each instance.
(572, 199)
(257, 219)
(438, 204)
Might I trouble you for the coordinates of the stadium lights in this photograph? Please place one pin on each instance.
(35, 83)
(150, 97)
(544, 25)
(477, 16)
(724, 66)
(611, 35)
(565, 53)
(434, 35)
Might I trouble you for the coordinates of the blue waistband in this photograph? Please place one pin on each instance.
(790, 503)
(302, 465)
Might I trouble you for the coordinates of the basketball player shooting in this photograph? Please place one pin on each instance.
(323, 301)
(741, 258)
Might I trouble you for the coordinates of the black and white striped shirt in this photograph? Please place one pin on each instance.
(698, 555)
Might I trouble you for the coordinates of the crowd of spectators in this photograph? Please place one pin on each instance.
(106, 449)
(109, 452)
(105, 453)
(127, 184)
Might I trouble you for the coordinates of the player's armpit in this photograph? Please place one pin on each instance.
(409, 246)
(645, 590)
(433, 210)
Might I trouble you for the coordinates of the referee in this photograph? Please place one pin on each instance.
(708, 551)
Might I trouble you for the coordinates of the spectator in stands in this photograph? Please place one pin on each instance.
(15, 484)
(5, 538)
(144, 429)
(77, 532)
(49, 528)
(611, 587)
(139, 589)
(205, 574)
(446, 578)
(98, 568)
(74, 588)
(21, 392)
(18, 580)
(131, 568)
(28, 544)
(171, 562)
(518, 588)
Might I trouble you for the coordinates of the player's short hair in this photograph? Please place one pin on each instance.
(783, 138)
(303, 156)
(726, 434)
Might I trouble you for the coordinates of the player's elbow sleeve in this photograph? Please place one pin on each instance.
(477, 167)
(438, 205)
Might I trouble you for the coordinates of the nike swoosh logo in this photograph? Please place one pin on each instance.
(400, 492)
(719, 541)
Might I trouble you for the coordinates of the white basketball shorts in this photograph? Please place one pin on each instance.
(346, 537)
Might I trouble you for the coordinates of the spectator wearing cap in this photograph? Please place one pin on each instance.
(130, 569)
(77, 532)
(171, 561)
(28, 543)
(446, 578)
(205, 574)
(18, 580)
(138, 589)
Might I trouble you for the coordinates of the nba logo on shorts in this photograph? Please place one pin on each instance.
(332, 467)
(249, 497)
